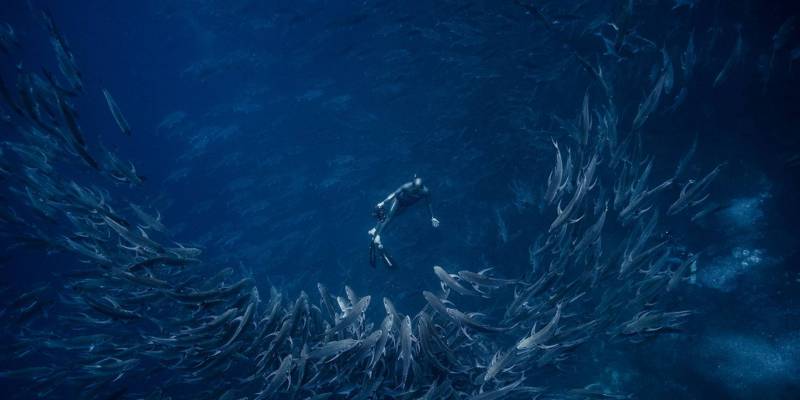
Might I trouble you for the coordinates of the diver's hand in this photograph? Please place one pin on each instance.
(435, 222)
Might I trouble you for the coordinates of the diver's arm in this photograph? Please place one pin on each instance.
(430, 206)
(395, 193)
(389, 197)
(434, 221)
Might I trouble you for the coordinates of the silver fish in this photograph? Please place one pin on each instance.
(122, 123)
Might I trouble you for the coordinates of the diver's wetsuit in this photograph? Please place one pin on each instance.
(401, 199)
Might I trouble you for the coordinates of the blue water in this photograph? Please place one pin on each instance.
(267, 130)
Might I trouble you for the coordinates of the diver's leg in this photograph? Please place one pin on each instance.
(387, 259)
(375, 246)
(372, 254)
(389, 214)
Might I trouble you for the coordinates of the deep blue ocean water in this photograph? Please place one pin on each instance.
(267, 130)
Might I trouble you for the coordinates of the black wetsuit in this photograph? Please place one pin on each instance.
(403, 198)
(407, 197)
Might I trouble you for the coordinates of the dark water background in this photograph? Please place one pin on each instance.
(267, 131)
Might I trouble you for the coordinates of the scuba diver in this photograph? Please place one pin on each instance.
(402, 198)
